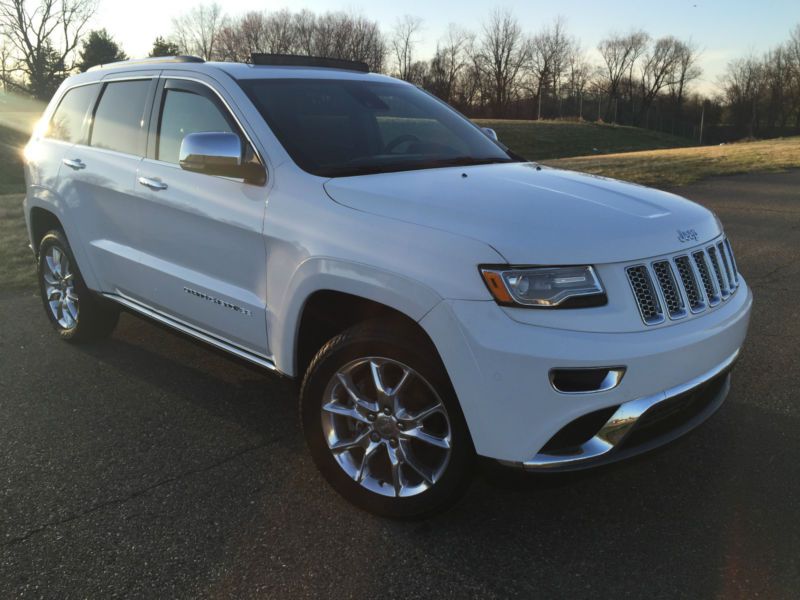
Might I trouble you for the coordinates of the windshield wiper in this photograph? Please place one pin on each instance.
(458, 161)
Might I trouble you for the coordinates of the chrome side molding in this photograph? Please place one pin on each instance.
(203, 336)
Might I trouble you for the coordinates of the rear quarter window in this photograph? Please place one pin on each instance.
(69, 118)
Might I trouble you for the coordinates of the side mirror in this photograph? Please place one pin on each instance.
(490, 133)
(218, 153)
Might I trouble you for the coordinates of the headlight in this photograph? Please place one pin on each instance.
(544, 287)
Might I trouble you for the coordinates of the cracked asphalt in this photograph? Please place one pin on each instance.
(150, 466)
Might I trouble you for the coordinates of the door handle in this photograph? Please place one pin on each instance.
(74, 163)
(153, 184)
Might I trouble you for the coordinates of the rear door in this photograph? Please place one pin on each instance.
(201, 236)
(98, 181)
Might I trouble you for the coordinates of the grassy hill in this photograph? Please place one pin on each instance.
(540, 140)
(679, 166)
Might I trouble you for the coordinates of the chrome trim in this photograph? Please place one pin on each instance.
(153, 184)
(621, 422)
(610, 381)
(712, 301)
(698, 284)
(229, 347)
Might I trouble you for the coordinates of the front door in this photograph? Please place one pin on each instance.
(201, 236)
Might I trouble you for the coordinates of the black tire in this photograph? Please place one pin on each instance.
(399, 343)
(95, 317)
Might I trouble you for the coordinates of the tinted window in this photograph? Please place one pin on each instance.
(335, 127)
(184, 113)
(118, 120)
(67, 121)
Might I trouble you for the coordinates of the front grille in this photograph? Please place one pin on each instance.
(704, 279)
(646, 297)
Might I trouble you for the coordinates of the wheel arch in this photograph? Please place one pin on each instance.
(327, 296)
(42, 220)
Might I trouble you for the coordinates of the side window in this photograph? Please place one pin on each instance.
(68, 118)
(119, 118)
(183, 113)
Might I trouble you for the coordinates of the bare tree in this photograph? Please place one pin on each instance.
(501, 54)
(42, 37)
(793, 62)
(657, 70)
(197, 31)
(5, 64)
(743, 85)
(404, 40)
(448, 63)
(578, 77)
(549, 54)
(686, 70)
(280, 33)
(619, 54)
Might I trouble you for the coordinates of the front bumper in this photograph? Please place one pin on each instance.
(641, 425)
(500, 371)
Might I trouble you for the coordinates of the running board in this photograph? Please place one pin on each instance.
(191, 331)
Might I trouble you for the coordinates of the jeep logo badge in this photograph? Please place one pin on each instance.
(687, 235)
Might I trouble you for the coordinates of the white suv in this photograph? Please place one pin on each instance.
(438, 296)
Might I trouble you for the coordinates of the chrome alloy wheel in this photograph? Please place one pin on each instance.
(59, 286)
(386, 427)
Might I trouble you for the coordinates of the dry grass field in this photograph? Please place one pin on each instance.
(679, 166)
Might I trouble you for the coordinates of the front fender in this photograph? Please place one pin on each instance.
(401, 293)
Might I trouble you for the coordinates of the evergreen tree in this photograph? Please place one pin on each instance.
(162, 47)
(99, 48)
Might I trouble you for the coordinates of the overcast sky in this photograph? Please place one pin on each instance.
(723, 29)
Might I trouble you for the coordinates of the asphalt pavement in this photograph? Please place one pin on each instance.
(150, 466)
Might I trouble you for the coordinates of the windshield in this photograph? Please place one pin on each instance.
(338, 128)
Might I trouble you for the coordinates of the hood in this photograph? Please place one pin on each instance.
(535, 215)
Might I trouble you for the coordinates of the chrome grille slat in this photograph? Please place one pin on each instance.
(726, 263)
(671, 294)
(694, 294)
(701, 263)
(673, 286)
(646, 296)
(724, 291)
(733, 261)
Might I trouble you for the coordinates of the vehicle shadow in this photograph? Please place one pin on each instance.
(693, 518)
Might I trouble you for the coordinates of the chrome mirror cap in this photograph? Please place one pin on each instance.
(214, 153)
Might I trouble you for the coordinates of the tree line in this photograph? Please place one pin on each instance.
(500, 70)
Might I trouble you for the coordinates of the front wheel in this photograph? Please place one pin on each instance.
(383, 423)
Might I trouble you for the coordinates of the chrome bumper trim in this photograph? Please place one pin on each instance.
(620, 424)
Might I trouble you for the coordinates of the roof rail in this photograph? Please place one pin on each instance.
(149, 61)
(294, 60)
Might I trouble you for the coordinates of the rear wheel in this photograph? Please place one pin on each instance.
(76, 313)
(383, 423)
